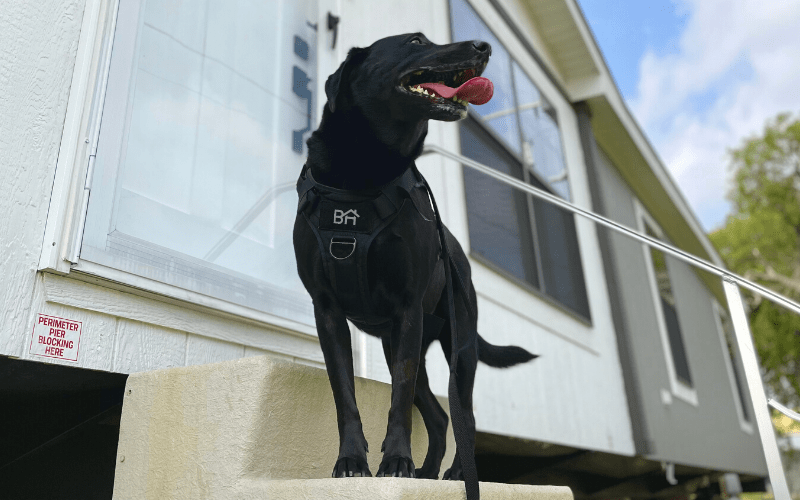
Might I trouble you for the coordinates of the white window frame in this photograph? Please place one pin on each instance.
(726, 354)
(82, 115)
(678, 388)
(69, 198)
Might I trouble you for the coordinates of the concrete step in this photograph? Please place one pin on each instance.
(263, 428)
(390, 488)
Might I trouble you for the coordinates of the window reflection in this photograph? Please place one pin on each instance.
(195, 177)
(499, 112)
(202, 150)
(540, 133)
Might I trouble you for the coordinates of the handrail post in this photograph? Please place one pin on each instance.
(744, 340)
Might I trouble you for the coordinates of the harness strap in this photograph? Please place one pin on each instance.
(386, 199)
(465, 443)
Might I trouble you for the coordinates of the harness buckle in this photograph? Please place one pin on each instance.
(340, 240)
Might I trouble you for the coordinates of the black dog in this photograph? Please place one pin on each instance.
(368, 250)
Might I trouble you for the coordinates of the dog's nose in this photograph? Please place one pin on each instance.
(482, 46)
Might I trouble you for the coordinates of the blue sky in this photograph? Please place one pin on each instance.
(700, 76)
(626, 28)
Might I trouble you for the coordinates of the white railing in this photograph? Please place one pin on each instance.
(730, 282)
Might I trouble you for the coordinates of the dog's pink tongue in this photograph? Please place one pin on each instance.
(476, 90)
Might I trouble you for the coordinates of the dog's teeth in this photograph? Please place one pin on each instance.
(425, 91)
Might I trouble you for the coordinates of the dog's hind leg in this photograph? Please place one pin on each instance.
(435, 419)
(405, 347)
(465, 382)
(334, 338)
(433, 415)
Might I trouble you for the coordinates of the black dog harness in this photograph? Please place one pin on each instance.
(346, 223)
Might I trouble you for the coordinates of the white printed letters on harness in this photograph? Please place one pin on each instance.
(342, 217)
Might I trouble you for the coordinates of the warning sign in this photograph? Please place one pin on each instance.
(55, 337)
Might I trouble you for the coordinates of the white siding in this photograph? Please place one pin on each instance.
(202, 350)
(39, 40)
(140, 347)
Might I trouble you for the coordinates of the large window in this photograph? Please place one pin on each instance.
(207, 109)
(517, 133)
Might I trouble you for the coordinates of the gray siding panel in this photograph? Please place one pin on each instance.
(641, 438)
(706, 435)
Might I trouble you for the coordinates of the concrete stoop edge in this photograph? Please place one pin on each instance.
(264, 428)
(393, 489)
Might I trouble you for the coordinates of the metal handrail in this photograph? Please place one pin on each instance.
(730, 284)
(783, 409)
(664, 247)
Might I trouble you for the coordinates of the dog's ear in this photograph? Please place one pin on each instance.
(334, 83)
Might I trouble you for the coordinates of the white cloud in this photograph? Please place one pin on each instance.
(736, 66)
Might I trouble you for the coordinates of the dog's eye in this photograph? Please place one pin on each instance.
(416, 40)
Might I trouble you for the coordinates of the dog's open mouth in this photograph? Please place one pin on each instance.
(461, 86)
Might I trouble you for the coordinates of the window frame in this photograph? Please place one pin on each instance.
(69, 195)
(745, 424)
(678, 387)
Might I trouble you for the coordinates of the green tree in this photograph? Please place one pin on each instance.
(761, 241)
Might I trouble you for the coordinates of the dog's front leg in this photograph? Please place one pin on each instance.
(405, 345)
(334, 338)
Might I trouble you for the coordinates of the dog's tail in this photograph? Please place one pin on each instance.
(502, 356)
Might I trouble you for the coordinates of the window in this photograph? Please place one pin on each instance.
(667, 313)
(517, 133)
(196, 162)
(734, 367)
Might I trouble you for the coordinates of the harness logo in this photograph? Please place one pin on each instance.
(349, 217)
(342, 217)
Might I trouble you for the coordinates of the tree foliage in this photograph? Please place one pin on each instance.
(761, 241)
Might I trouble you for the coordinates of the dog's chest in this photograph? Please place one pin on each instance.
(372, 244)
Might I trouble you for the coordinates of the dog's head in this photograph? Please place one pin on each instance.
(413, 77)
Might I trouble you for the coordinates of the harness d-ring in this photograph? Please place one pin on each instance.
(339, 240)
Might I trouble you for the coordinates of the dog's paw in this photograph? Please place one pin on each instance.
(351, 467)
(396, 467)
(423, 473)
(453, 474)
